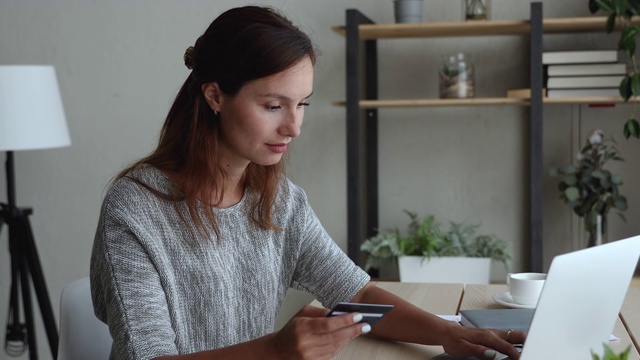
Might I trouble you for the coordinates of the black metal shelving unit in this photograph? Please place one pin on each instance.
(362, 134)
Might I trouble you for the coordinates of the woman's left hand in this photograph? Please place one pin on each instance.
(481, 343)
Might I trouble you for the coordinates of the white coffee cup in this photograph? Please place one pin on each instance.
(525, 288)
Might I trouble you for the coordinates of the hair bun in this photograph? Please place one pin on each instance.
(188, 58)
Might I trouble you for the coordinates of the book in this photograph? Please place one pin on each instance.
(594, 92)
(579, 57)
(579, 82)
(501, 319)
(587, 69)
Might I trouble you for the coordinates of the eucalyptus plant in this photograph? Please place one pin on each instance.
(426, 237)
(587, 187)
(622, 12)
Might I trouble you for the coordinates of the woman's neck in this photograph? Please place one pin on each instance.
(233, 191)
(232, 188)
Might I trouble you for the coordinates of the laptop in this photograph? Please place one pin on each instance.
(580, 301)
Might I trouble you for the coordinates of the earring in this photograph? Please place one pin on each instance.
(215, 113)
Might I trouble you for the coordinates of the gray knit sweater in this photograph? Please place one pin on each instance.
(163, 294)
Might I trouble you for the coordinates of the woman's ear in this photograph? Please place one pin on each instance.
(213, 95)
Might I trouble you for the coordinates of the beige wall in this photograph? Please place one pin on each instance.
(119, 65)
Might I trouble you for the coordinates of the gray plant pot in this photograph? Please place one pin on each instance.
(408, 11)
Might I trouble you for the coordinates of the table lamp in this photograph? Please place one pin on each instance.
(31, 117)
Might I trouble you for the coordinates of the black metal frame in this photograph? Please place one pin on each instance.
(536, 169)
(25, 266)
(362, 138)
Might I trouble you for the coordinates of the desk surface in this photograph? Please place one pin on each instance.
(447, 299)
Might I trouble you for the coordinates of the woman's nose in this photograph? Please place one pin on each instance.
(292, 123)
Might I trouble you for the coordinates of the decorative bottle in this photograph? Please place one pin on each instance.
(456, 77)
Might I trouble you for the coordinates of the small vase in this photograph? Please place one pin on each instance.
(456, 77)
(595, 226)
(408, 11)
(475, 10)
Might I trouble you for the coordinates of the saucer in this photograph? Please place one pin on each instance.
(506, 300)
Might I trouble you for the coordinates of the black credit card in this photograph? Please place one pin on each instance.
(371, 313)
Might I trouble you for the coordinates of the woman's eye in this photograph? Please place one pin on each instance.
(303, 104)
(274, 107)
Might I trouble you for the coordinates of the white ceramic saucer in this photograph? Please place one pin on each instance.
(506, 300)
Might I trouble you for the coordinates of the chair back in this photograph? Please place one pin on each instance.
(82, 335)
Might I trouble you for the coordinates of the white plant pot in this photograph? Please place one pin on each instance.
(465, 270)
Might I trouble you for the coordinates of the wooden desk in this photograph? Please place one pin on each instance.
(630, 315)
(448, 299)
(481, 297)
(441, 299)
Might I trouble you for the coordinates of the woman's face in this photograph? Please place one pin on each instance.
(259, 122)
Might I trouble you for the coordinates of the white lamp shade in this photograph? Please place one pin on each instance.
(31, 112)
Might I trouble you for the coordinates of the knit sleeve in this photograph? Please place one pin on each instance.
(127, 290)
(323, 269)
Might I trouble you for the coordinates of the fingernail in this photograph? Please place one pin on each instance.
(490, 354)
(357, 318)
(366, 328)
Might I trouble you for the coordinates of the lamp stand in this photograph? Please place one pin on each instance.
(25, 266)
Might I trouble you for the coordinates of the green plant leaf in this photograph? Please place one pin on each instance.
(571, 179)
(605, 5)
(635, 84)
(426, 237)
(608, 353)
(572, 193)
(620, 6)
(631, 128)
(553, 172)
(611, 23)
(625, 354)
(625, 87)
(568, 169)
(593, 6)
(627, 41)
(620, 203)
(616, 179)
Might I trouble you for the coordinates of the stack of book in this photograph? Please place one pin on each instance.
(583, 73)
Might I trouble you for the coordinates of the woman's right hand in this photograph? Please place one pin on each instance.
(312, 335)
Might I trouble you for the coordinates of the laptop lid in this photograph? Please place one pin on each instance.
(580, 301)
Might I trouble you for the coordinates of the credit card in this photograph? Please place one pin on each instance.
(371, 313)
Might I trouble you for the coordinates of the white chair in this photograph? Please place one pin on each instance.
(82, 335)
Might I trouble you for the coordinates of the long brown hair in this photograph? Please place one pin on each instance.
(241, 45)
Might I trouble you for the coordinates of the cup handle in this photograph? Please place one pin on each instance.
(509, 278)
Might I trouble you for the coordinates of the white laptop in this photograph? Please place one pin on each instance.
(580, 301)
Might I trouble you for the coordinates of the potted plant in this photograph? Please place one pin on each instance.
(431, 252)
(609, 354)
(621, 11)
(589, 189)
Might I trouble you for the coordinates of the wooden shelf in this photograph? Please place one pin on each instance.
(403, 103)
(478, 28)
(587, 100)
(371, 104)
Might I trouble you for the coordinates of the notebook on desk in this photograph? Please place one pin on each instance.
(580, 301)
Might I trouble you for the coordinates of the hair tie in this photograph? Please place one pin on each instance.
(188, 58)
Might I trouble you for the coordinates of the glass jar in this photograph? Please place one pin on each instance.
(475, 10)
(456, 77)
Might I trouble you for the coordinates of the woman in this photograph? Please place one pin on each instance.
(198, 243)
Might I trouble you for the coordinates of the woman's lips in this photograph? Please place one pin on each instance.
(278, 148)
